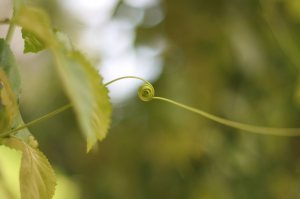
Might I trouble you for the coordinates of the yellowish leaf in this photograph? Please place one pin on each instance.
(37, 178)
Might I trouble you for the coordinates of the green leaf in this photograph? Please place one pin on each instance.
(36, 21)
(23, 134)
(37, 178)
(13, 73)
(82, 82)
(32, 43)
(5, 114)
(18, 4)
(11, 68)
(64, 41)
(90, 97)
(8, 103)
(102, 108)
(10, 164)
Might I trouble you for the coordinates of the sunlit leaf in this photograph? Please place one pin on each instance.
(37, 178)
(11, 68)
(90, 97)
(36, 175)
(64, 41)
(18, 4)
(12, 72)
(23, 134)
(32, 43)
(82, 82)
(102, 108)
(5, 110)
(10, 163)
(36, 21)
(8, 103)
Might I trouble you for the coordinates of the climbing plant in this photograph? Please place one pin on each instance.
(83, 85)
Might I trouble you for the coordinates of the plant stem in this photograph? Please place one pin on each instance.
(61, 109)
(10, 33)
(37, 120)
(237, 125)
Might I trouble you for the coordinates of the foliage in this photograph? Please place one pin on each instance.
(223, 57)
(82, 83)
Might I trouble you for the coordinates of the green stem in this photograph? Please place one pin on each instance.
(126, 78)
(37, 120)
(146, 95)
(61, 109)
(237, 125)
(10, 33)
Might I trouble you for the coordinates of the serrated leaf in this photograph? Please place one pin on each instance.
(37, 178)
(90, 97)
(8, 103)
(13, 73)
(23, 134)
(36, 21)
(82, 82)
(32, 44)
(94, 126)
(102, 108)
(11, 68)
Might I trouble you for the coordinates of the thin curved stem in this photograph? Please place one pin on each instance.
(37, 120)
(125, 77)
(61, 109)
(245, 127)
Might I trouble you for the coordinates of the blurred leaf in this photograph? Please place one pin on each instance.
(82, 82)
(68, 188)
(10, 163)
(5, 110)
(101, 106)
(90, 97)
(23, 134)
(37, 178)
(12, 71)
(18, 4)
(8, 103)
(36, 21)
(32, 43)
(64, 40)
(11, 68)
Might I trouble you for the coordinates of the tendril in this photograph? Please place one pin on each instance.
(146, 93)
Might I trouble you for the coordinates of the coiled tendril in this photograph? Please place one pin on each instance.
(146, 92)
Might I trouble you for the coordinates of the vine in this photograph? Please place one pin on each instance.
(82, 84)
(146, 93)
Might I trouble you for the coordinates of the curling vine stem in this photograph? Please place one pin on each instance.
(245, 127)
(61, 109)
(37, 120)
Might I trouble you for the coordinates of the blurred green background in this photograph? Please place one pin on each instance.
(237, 59)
